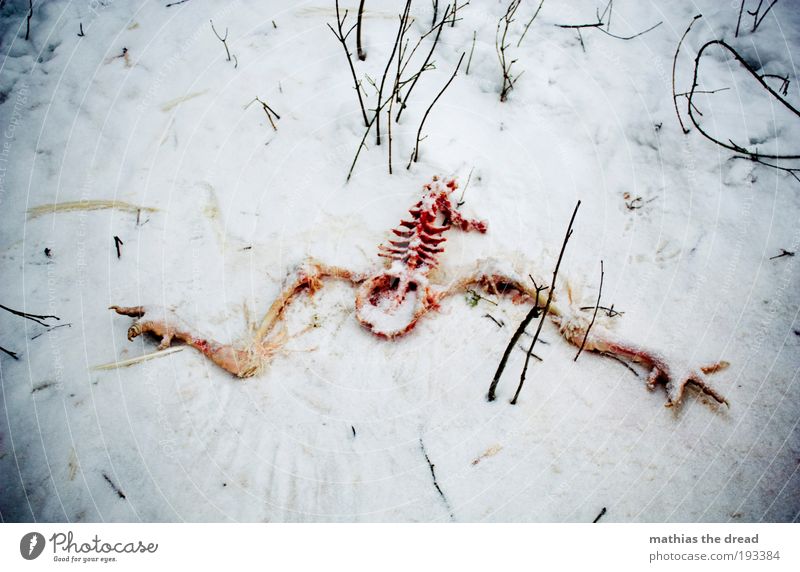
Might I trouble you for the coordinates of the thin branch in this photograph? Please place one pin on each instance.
(438, 28)
(528, 25)
(756, 20)
(633, 36)
(783, 253)
(546, 306)
(500, 46)
(32, 317)
(400, 31)
(223, 40)
(534, 312)
(342, 37)
(362, 55)
(28, 22)
(117, 243)
(739, 20)
(9, 352)
(599, 516)
(596, 307)
(433, 475)
(731, 145)
(472, 49)
(415, 155)
(267, 110)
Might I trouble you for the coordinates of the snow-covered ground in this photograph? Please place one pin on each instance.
(145, 109)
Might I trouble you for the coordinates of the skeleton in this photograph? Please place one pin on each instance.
(390, 302)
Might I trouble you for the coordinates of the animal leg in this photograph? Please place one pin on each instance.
(308, 277)
(164, 324)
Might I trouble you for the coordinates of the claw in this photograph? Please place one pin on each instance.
(134, 331)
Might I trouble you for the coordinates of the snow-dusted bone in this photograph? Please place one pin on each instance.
(390, 302)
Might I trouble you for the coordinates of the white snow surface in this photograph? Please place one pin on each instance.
(338, 426)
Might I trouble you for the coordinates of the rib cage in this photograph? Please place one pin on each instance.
(419, 239)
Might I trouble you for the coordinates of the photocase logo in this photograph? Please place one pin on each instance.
(31, 545)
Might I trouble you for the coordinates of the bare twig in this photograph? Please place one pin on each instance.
(784, 88)
(730, 145)
(176, 3)
(596, 307)
(528, 25)
(32, 317)
(68, 325)
(739, 20)
(80, 30)
(267, 110)
(793, 171)
(501, 46)
(438, 27)
(534, 312)
(415, 154)
(9, 352)
(113, 486)
(453, 19)
(28, 22)
(117, 243)
(756, 20)
(499, 323)
(433, 475)
(599, 516)
(400, 31)
(224, 40)
(653, 27)
(546, 306)
(783, 253)
(362, 55)
(342, 37)
(471, 50)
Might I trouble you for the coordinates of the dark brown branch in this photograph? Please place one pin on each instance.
(113, 486)
(32, 317)
(68, 325)
(415, 155)
(596, 307)
(433, 475)
(633, 36)
(28, 22)
(784, 88)
(501, 47)
(223, 40)
(731, 145)
(438, 29)
(620, 360)
(783, 253)
(571, 26)
(117, 243)
(546, 306)
(756, 20)
(80, 30)
(528, 25)
(471, 50)
(499, 323)
(793, 171)
(599, 516)
(176, 3)
(400, 31)
(9, 352)
(534, 312)
(362, 55)
(739, 20)
(342, 37)
(268, 111)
